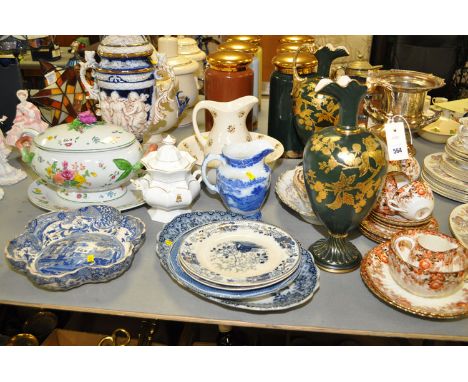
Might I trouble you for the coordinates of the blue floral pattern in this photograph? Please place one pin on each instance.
(297, 293)
(250, 260)
(63, 250)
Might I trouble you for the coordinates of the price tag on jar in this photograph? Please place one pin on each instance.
(396, 141)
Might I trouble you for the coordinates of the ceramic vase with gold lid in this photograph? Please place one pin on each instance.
(344, 168)
(280, 118)
(256, 40)
(227, 78)
(314, 111)
(247, 47)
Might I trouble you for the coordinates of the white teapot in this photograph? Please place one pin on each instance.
(169, 186)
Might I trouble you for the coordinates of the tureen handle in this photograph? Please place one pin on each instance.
(24, 145)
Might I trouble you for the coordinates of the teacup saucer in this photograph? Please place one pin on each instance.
(375, 273)
(45, 196)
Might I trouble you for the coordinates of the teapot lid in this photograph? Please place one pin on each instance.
(305, 62)
(297, 39)
(124, 46)
(229, 60)
(168, 158)
(84, 134)
(241, 46)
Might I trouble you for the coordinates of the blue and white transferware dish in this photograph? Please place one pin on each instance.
(63, 250)
(298, 292)
(186, 222)
(239, 254)
(183, 278)
(242, 177)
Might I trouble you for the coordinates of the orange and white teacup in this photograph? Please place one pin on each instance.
(428, 263)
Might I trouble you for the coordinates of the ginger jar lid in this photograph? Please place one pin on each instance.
(300, 39)
(305, 62)
(168, 158)
(84, 134)
(288, 47)
(252, 39)
(240, 46)
(125, 46)
(229, 60)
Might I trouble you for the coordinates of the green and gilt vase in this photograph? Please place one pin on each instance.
(314, 111)
(344, 167)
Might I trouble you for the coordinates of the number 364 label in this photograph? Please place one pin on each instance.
(396, 141)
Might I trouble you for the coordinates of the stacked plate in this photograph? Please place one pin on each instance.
(238, 263)
(380, 228)
(447, 173)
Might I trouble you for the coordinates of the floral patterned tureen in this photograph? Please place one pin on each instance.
(87, 160)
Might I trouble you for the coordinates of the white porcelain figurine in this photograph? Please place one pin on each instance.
(8, 174)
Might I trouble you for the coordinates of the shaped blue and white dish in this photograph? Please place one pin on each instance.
(63, 250)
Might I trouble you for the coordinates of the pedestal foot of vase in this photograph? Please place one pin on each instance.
(336, 254)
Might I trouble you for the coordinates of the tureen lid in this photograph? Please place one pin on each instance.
(84, 134)
(168, 158)
(124, 46)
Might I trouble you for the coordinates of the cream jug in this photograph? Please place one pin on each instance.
(228, 123)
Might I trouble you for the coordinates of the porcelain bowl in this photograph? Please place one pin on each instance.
(63, 250)
(439, 131)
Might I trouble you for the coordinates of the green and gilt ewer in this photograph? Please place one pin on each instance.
(344, 168)
(314, 111)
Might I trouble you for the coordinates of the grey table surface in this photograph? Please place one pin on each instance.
(342, 304)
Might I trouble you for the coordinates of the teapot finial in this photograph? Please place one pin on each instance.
(169, 140)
